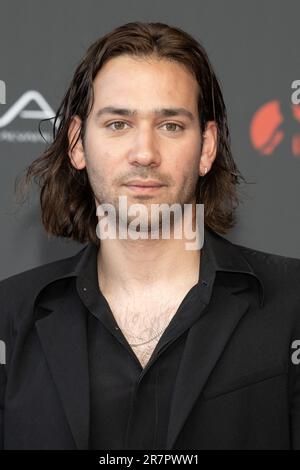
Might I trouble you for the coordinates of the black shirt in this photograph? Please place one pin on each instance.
(130, 404)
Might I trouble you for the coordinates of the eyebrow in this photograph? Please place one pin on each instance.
(158, 112)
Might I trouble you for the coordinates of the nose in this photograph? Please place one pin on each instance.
(145, 149)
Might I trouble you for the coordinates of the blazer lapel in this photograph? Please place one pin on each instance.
(63, 337)
(206, 340)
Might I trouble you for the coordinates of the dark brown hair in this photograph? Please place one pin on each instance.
(66, 198)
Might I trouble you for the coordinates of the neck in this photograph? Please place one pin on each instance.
(130, 266)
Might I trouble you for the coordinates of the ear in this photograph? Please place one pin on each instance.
(76, 153)
(209, 148)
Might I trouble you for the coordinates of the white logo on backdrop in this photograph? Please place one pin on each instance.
(18, 110)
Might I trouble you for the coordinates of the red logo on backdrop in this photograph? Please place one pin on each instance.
(274, 125)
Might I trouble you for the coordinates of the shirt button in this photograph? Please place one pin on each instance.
(84, 289)
(204, 283)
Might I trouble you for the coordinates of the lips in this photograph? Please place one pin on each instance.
(147, 187)
(145, 184)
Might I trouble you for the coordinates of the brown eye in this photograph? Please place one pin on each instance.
(174, 124)
(118, 128)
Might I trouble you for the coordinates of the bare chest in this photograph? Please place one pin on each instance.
(143, 322)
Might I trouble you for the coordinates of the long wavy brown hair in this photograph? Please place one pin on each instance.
(66, 198)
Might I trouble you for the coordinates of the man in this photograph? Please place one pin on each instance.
(139, 343)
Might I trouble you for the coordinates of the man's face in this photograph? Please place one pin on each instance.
(166, 148)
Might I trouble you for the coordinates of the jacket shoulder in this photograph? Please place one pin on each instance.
(18, 293)
(28, 283)
(268, 259)
(275, 271)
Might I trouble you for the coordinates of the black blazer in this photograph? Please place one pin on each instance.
(238, 385)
